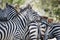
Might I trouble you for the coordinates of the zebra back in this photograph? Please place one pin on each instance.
(55, 31)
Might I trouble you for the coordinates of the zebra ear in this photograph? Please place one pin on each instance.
(29, 6)
(7, 5)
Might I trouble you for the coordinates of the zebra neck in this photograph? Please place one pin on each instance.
(22, 19)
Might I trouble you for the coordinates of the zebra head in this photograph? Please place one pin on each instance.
(9, 11)
(43, 26)
(29, 13)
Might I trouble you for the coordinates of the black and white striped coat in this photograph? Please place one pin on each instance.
(34, 31)
(35, 24)
(15, 29)
(54, 31)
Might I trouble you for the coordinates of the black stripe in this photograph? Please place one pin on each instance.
(21, 22)
(32, 32)
(56, 30)
(22, 19)
(3, 31)
(20, 26)
(32, 28)
(1, 35)
(8, 28)
(53, 28)
(3, 26)
(13, 26)
(32, 36)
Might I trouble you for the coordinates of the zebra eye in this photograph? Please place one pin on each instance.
(43, 27)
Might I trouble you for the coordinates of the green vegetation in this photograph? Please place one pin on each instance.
(12, 2)
(51, 7)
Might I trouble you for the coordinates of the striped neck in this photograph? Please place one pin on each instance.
(22, 19)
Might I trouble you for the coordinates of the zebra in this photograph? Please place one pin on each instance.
(45, 29)
(36, 17)
(7, 13)
(35, 29)
(30, 11)
(15, 29)
(52, 31)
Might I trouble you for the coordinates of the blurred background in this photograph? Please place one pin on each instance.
(48, 8)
